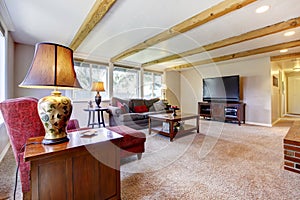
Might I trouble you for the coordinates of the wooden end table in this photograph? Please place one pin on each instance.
(100, 116)
(171, 120)
(70, 171)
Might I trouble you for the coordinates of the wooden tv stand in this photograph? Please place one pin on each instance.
(222, 111)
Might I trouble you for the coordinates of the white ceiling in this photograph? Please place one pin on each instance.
(130, 22)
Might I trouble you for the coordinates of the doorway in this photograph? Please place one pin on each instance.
(293, 95)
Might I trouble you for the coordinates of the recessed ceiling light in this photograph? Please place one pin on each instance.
(290, 33)
(283, 50)
(262, 9)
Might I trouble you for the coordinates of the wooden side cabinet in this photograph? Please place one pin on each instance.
(83, 168)
(222, 111)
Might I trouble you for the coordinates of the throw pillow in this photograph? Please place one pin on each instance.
(152, 109)
(150, 102)
(140, 109)
(126, 107)
(120, 105)
(159, 106)
(135, 102)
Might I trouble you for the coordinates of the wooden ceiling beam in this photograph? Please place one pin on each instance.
(98, 11)
(242, 54)
(210, 14)
(275, 28)
(285, 57)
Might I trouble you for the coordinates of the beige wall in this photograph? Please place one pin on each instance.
(276, 73)
(23, 57)
(172, 80)
(256, 88)
(10, 71)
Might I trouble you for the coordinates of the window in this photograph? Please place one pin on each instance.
(86, 74)
(125, 82)
(152, 85)
(2, 68)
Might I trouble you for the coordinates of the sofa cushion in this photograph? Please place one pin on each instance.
(150, 102)
(131, 117)
(126, 107)
(159, 106)
(152, 109)
(135, 102)
(145, 114)
(140, 109)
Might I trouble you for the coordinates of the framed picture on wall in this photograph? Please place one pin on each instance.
(275, 81)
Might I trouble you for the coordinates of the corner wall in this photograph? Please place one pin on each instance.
(172, 80)
(255, 84)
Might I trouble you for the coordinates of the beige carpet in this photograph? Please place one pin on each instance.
(7, 177)
(225, 161)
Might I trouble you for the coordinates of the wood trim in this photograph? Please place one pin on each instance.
(98, 11)
(210, 14)
(285, 57)
(242, 54)
(275, 28)
(91, 62)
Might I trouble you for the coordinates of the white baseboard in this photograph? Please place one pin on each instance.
(259, 124)
(275, 122)
(2, 154)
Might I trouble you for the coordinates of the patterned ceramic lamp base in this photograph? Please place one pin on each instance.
(55, 112)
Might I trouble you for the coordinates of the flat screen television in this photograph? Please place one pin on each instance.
(226, 88)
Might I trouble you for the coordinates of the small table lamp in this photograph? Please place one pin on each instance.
(53, 67)
(99, 87)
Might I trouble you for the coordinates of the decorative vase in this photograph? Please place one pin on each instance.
(55, 112)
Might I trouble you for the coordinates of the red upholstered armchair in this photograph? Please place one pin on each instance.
(22, 122)
(73, 125)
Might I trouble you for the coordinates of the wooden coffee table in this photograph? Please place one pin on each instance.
(170, 120)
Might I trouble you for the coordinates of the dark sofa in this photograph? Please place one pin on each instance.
(133, 112)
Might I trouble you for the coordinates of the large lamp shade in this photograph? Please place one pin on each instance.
(52, 67)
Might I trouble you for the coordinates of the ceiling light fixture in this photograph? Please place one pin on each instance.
(262, 9)
(284, 50)
(290, 33)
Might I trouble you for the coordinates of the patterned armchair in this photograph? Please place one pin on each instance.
(22, 122)
(73, 125)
